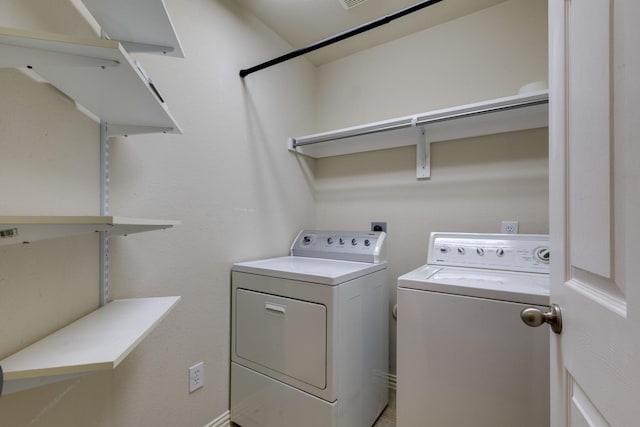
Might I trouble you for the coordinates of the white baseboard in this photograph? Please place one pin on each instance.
(223, 420)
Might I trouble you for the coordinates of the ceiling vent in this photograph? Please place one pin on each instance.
(348, 4)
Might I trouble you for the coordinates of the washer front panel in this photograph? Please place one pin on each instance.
(466, 361)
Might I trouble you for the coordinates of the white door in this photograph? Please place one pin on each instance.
(595, 211)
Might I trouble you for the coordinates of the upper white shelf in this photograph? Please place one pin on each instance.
(98, 74)
(20, 229)
(519, 112)
(140, 25)
(98, 341)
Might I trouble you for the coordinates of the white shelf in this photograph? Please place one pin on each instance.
(519, 112)
(19, 229)
(96, 342)
(98, 74)
(104, 81)
(140, 25)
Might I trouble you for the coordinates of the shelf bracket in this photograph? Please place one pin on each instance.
(126, 130)
(133, 47)
(423, 154)
(20, 57)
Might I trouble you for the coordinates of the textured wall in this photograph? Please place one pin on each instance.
(230, 180)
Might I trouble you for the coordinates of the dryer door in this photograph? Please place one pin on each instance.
(285, 335)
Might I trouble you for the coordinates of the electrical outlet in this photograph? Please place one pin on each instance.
(510, 227)
(379, 226)
(196, 377)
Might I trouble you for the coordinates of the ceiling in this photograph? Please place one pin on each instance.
(303, 22)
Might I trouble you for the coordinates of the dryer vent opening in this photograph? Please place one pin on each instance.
(348, 4)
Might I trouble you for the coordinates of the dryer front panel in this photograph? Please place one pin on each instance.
(282, 334)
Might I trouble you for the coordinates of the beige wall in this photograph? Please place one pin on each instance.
(238, 192)
(475, 183)
(485, 55)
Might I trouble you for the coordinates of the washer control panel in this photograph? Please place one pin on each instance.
(515, 252)
(359, 246)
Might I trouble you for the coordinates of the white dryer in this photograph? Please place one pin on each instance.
(309, 335)
(464, 357)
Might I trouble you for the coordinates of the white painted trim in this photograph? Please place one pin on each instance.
(224, 420)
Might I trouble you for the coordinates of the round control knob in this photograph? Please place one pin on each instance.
(543, 254)
(367, 242)
(330, 240)
(341, 241)
(500, 252)
(461, 250)
(444, 249)
(306, 240)
(480, 251)
(354, 242)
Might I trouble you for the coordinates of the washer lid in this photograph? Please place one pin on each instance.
(316, 270)
(527, 288)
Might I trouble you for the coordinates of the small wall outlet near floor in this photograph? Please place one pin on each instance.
(196, 377)
(509, 227)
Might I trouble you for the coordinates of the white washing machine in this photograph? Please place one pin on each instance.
(309, 336)
(464, 356)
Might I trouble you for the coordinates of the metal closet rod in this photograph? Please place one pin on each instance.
(339, 37)
(415, 121)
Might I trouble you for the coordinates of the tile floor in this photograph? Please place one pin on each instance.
(388, 417)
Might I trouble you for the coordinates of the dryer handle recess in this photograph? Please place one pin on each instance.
(275, 308)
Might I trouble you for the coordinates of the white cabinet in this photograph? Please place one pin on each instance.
(100, 76)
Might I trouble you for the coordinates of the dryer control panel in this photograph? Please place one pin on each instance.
(514, 252)
(359, 246)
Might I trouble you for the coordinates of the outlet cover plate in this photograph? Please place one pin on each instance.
(509, 227)
(379, 226)
(196, 377)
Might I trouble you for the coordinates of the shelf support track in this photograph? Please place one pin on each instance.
(104, 210)
(423, 154)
